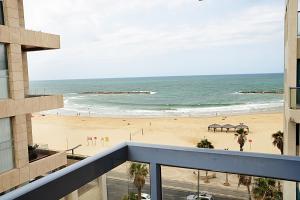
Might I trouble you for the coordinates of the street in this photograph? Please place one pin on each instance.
(117, 188)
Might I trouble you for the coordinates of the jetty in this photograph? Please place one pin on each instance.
(262, 92)
(118, 92)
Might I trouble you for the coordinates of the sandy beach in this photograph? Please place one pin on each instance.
(64, 132)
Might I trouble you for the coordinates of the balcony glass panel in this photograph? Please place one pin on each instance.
(6, 148)
(92, 190)
(3, 72)
(122, 185)
(179, 183)
(117, 184)
(185, 184)
(295, 98)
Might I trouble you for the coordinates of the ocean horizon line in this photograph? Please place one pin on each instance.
(167, 76)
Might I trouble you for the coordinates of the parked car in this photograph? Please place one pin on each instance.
(202, 196)
(145, 196)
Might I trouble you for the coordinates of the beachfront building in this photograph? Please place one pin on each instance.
(292, 88)
(17, 167)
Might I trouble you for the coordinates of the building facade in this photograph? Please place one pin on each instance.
(292, 88)
(16, 103)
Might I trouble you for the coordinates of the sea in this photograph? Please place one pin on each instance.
(207, 95)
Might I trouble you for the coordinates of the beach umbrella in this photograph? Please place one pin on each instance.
(228, 126)
(214, 127)
(242, 126)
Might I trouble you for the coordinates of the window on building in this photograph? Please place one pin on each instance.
(3, 72)
(1, 13)
(6, 147)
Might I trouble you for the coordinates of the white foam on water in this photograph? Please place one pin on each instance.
(145, 91)
(115, 111)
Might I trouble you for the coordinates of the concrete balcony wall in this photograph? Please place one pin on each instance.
(30, 104)
(42, 166)
(33, 40)
(28, 39)
(9, 179)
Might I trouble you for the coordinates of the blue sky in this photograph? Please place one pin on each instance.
(133, 38)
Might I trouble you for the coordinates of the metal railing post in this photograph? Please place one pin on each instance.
(155, 181)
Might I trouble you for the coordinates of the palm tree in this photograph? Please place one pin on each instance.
(32, 152)
(243, 180)
(204, 143)
(278, 140)
(246, 181)
(265, 189)
(242, 138)
(138, 172)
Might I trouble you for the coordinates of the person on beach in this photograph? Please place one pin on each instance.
(88, 139)
(95, 140)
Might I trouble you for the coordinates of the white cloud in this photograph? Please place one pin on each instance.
(104, 29)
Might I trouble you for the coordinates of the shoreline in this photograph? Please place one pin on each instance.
(279, 111)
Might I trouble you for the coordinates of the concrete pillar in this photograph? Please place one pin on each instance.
(20, 141)
(290, 138)
(72, 196)
(29, 129)
(102, 186)
(21, 13)
(289, 188)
